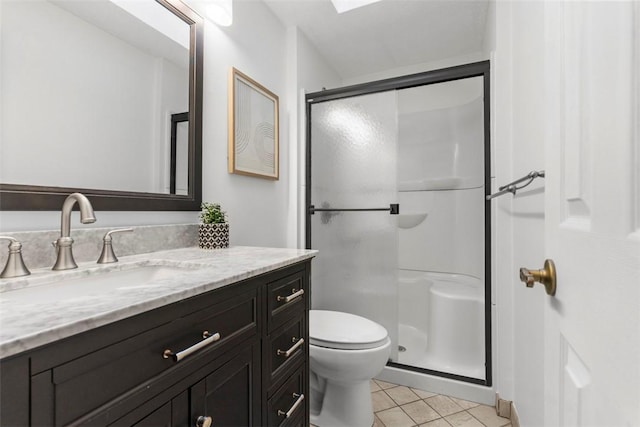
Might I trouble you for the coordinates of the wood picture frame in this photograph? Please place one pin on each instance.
(253, 128)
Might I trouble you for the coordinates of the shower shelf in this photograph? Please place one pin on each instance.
(411, 220)
(444, 183)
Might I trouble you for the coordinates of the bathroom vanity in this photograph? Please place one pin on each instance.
(187, 337)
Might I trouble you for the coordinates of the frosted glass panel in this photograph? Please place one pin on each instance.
(354, 165)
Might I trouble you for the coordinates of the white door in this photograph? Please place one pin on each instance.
(592, 221)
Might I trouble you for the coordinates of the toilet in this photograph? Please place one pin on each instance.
(346, 352)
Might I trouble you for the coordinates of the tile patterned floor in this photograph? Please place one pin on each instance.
(400, 406)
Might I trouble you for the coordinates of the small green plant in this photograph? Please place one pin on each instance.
(212, 213)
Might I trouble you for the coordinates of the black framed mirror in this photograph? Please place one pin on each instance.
(47, 159)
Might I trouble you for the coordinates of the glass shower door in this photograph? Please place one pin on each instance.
(353, 162)
(422, 142)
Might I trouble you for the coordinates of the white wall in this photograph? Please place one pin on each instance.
(311, 72)
(517, 128)
(256, 45)
(262, 212)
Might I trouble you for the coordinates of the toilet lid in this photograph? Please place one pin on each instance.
(334, 329)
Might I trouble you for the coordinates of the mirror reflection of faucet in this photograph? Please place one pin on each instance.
(64, 244)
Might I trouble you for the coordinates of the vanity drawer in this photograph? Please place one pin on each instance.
(289, 401)
(88, 382)
(287, 347)
(299, 421)
(285, 297)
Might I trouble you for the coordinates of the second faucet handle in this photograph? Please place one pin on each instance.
(108, 256)
(15, 265)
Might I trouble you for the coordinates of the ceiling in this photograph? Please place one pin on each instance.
(387, 34)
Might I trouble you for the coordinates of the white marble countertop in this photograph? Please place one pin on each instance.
(40, 309)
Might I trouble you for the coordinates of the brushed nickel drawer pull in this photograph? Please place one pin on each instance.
(292, 349)
(208, 339)
(295, 294)
(300, 398)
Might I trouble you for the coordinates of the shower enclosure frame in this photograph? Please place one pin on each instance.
(476, 69)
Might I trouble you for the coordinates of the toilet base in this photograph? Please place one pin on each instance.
(345, 405)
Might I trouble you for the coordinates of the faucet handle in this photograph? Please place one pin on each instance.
(15, 265)
(108, 255)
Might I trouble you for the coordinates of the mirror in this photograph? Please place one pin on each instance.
(101, 97)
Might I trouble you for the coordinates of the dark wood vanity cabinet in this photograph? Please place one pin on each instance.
(254, 374)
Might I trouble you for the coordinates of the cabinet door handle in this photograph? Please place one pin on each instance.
(208, 339)
(300, 398)
(204, 421)
(292, 349)
(295, 294)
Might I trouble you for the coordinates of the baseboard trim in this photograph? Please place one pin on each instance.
(507, 409)
(515, 421)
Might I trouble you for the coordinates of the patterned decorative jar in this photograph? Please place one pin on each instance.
(214, 230)
(213, 236)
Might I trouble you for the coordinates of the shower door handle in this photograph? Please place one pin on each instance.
(393, 209)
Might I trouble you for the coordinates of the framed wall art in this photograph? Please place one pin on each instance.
(253, 128)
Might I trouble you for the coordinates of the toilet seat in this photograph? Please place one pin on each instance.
(345, 331)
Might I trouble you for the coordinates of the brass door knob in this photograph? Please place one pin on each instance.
(546, 276)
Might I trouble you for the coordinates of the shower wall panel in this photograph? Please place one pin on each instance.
(441, 129)
(450, 239)
(441, 177)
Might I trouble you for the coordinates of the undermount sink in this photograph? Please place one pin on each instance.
(82, 284)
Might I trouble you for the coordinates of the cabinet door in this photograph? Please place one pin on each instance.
(173, 413)
(159, 417)
(14, 391)
(231, 394)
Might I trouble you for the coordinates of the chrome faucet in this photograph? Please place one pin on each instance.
(65, 260)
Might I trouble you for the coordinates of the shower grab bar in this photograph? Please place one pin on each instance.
(512, 187)
(393, 209)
